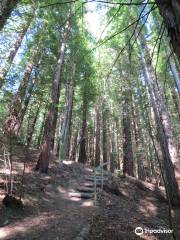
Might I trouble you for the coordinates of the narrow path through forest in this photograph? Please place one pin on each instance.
(51, 212)
(89, 119)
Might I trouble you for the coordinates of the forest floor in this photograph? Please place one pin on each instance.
(50, 213)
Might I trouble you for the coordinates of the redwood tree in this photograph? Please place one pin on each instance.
(13, 121)
(167, 165)
(170, 11)
(83, 138)
(97, 134)
(14, 49)
(50, 125)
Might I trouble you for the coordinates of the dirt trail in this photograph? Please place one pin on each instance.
(50, 213)
(133, 207)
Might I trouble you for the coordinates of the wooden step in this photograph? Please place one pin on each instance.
(86, 189)
(92, 176)
(81, 195)
(91, 184)
(97, 179)
(100, 174)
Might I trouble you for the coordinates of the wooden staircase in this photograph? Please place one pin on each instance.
(88, 188)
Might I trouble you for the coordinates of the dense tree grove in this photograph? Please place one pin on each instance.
(111, 98)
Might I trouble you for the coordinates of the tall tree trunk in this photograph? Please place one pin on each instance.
(97, 135)
(138, 138)
(75, 145)
(170, 11)
(57, 144)
(113, 146)
(48, 141)
(39, 141)
(14, 49)
(66, 129)
(169, 55)
(12, 123)
(118, 144)
(149, 121)
(160, 101)
(6, 7)
(93, 142)
(31, 126)
(175, 74)
(128, 165)
(104, 132)
(109, 146)
(162, 138)
(127, 142)
(83, 139)
(26, 102)
(176, 100)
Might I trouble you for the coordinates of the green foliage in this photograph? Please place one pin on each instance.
(97, 74)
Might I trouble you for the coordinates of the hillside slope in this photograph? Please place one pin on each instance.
(51, 213)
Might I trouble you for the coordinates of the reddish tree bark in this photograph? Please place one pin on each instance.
(128, 165)
(12, 123)
(170, 11)
(104, 132)
(75, 145)
(127, 145)
(50, 125)
(97, 136)
(83, 140)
